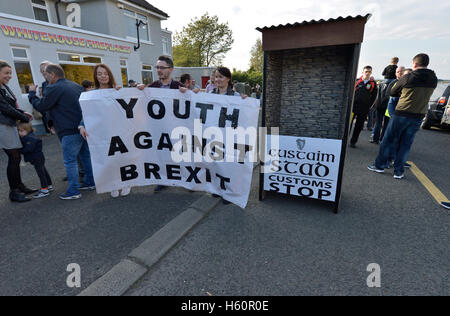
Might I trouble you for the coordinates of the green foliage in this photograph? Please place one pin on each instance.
(255, 74)
(257, 56)
(203, 43)
(250, 76)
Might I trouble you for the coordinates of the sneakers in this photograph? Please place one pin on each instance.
(67, 196)
(407, 166)
(398, 175)
(41, 194)
(85, 187)
(375, 169)
(126, 191)
(446, 205)
(116, 193)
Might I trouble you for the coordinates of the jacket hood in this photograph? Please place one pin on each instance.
(425, 78)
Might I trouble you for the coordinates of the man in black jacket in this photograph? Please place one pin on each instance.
(365, 95)
(61, 100)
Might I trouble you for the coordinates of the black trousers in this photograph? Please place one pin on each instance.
(44, 177)
(13, 169)
(359, 126)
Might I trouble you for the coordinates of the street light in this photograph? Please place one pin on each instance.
(138, 24)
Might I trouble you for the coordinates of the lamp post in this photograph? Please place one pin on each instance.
(138, 24)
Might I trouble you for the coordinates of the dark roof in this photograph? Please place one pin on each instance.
(339, 19)
(144, 4)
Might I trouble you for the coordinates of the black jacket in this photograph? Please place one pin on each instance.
(61, 100)
(365, 95)
(32, 148)
(9, 115)
(383, 97)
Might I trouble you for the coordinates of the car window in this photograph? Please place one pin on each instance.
(446, 92)
(439, 91)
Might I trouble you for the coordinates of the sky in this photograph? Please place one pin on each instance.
(401, 28)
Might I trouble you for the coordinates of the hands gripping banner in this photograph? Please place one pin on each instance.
(201, 142)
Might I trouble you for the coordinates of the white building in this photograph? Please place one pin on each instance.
(78, 34)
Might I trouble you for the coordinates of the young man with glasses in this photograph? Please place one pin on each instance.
(164, 67)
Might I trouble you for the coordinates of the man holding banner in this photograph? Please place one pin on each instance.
(164, 67)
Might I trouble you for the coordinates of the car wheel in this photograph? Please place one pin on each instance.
(426, 124)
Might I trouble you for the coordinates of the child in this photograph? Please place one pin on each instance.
(389, 71)
(32, 152)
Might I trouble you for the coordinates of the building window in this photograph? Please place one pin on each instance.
(131, 17)
(92, 60)
(147, 74)
(165, 46)
(23, 68)
(40, 10)
(124, 71)
(75, 58)
(78, 67)
(69, 57)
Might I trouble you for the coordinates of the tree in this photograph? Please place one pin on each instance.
(204, 42)
(250, 76)
(257, 57)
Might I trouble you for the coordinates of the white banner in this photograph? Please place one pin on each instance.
(202, 142)
(301, 166)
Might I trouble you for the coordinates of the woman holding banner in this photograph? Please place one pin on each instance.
(104, 79)
(224, 83)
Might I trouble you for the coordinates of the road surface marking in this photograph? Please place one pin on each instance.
(434, 191)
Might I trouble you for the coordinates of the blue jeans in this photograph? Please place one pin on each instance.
(397, 142)
(74, 146)
(371, 118)
(378, 125)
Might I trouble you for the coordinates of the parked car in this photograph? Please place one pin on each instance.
(436, 110)
(446, 117)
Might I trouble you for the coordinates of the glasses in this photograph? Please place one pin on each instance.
(162, 68)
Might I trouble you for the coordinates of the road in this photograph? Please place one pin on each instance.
(41, 238)
(279, 246)
(290, 247)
